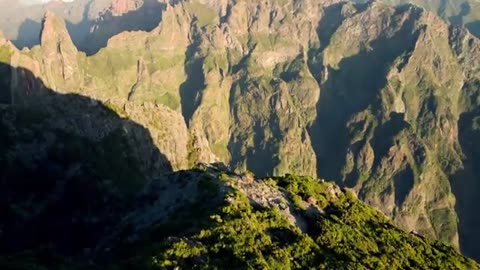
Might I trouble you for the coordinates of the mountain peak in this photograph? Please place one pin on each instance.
(60, 53)
(54, 29)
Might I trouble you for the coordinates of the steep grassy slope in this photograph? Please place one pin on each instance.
(380, 99)
(288, 222)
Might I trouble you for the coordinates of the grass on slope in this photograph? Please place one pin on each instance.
(342, 233)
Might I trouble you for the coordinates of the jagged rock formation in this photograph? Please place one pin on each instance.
(90, 23)
(380, 99)
(462, 12)
(21, 21)
(120, 16)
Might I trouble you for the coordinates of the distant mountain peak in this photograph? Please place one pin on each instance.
(54, 29)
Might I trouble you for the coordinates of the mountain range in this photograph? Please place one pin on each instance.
(380, 99)
(90, 23)
(456, 12)
(21, 19)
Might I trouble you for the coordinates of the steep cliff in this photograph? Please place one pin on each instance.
(463, 12)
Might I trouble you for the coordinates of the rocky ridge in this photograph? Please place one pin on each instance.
(465, 12)
(210, 217)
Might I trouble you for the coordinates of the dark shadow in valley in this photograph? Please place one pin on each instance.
(5, 79)
(256, 147)
(465, 183)
(262, 158)
(146, 18)
(352, 88)
(384, 136)
(464, 11)
(69, 166)
(403, 182)
(28, 34)
(329, 23)
(195, 82)
(332, 18)
(457, 20)
(474, 28)
(442, 7)
(91, 35)
(175, 204)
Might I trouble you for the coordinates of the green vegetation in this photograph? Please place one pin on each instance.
(239, 238)
(220, 227)
(203, 13)
(108, 61)
(169, 100)
(270, 41)
(343, 234)
(5, 54)
(116, 109)
(221, 150)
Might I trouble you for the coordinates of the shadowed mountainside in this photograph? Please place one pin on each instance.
(108, 24)
(70, 167)
(456, 12)
(368, 95)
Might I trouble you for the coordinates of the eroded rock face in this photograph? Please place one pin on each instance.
(60, 54)
(120, 7)
(121, 16)
(462, 12)
(380, 99)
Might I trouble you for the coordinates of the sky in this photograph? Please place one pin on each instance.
(33, 2)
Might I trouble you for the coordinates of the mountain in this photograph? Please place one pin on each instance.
(379, 99)
(21, 21)
(457, 12)
(74, 196)
(90, 23)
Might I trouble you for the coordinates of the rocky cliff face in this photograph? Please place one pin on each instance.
(380, 99)
(120, 16)
(21, 20)
(463, 12)
(90, 23)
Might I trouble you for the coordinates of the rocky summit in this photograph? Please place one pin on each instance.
(381, 99)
